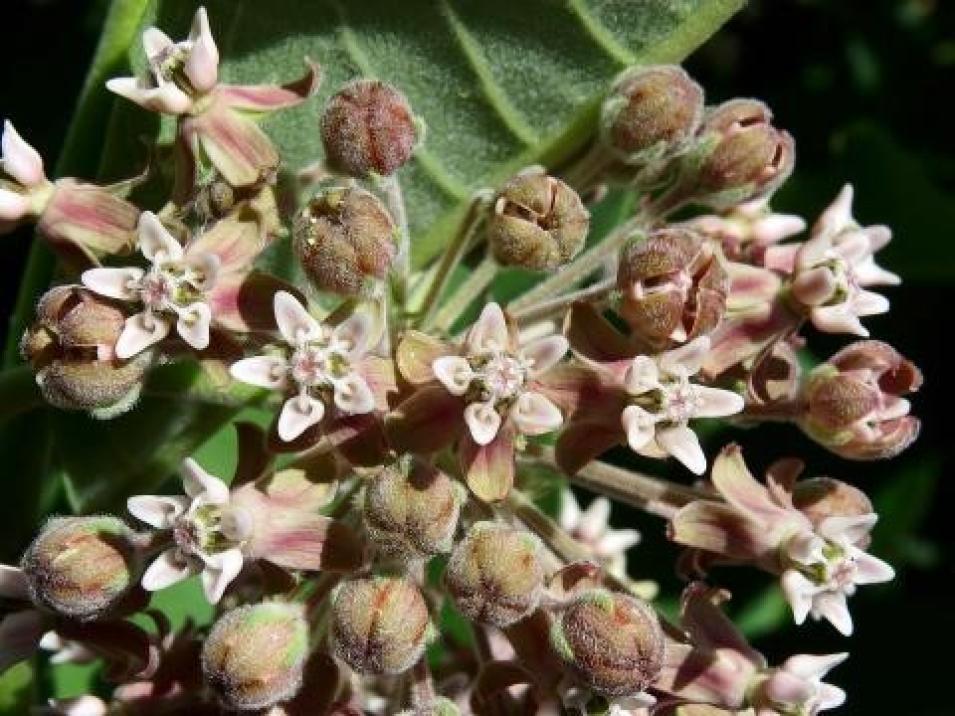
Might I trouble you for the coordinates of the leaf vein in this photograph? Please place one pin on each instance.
(600, 34)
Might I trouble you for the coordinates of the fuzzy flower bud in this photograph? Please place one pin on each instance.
(81, 567)
(673, 286)
(380, 625)
(411, 511)
(345, 241)
(70, 347)
(254, 655)
(854, 403)
(746, 156)
(495, 575)
(613, 642)
(649, 111)
(368, 127)
(538, 223)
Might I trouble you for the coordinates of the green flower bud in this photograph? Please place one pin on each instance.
(411, 510)
(613, 642)
(495, 574)
(345, 241)
(380, 625)
(81, 567)
(254, 655)
(538, 223)
(649, 111)
(70, 348)
(368, 128)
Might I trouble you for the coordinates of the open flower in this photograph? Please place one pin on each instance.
(490, 391)
(820, 560)
(591, 527)
(183, 80)
(836, 265)
(322, 365)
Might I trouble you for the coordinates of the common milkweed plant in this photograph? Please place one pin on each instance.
(399, 426)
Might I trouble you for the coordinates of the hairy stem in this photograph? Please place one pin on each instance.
(465, 295)
(549, 307)
(401, 269)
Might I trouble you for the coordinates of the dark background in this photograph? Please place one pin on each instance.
(861, 85)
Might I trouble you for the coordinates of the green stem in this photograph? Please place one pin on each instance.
(585, 173)
(547, 308)
(465, 294)
(401, 269)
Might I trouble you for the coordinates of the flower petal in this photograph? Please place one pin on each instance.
(355, 333)
(416, 354)
(642, 375)
(533, 414)
(202, 64)
(483, 422)
(159, 511)
(829, 697)
(193, 325)
(268, 98)
(799, 593)
(262, 371)
(454, 373)
(732, 478)
(808, 666)
(353, 396)
(167, 99)
(832, 607)
(13, 206)
(139, 332)
(847, 529)
(837, 319)
(687, 359)
(583, 440)
(570, 513)
(21, 161)
(617, 542)
(299, 414)
(167, 569)
(219, 571)
(544, 353)
(235, 145)
(156, 43)
(489, 333)
(155, 241)
(716, 403)
(116, 283)
(427, 421)
(871, 570)
(639, 425)
(720, 529)
(681, 442)
(869, 303)
(594, 520)
(295, 323)
(489, 468)
(200, 485)
(815, 286)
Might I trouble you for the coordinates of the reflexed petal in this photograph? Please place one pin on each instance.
(489, 333)
(295, 323)
(159, 511)
(200, 485)
(837, 319)
(113, 282)
(837, 215)
(869, 303)
(489, 469)
(13, 206)
(165, 571)
(483, 421)
(717, 403)
(777, 227)
(426, 421)
(167, 99)
(639, 426)
(642, 375)
(299, 414)
(832, 607)
(21, 161)
(235, 145)
(545, 353)
(298, 539)
(830, 697)
(218, 573)
(262, 371)
(815, 286)
(721, 529)
(193, 325)
(687, 359)
(140, 332)
(454, 373)
(353, 396)
(788, 689)
(533, 414)
(871, 570)
(268, 98)
(617, 542)
(750, 286)
(682, 443)
(355, 332)
(415, 355)
(202, 64)
(155, 42)
(594, 520)
(868, 273)
(736, 484)
(799, 593)
(847, 528)
(807, 666)
(13, 583)
(20, 634)
(155, 241)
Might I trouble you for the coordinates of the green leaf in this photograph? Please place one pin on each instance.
(16, 689)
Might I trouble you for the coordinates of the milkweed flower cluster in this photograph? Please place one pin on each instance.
(414, 435)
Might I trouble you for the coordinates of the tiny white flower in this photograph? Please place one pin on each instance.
(28, 188)
(321, 364)
(797, 687)
(591, 527)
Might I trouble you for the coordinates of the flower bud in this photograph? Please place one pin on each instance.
(746, 156)
(649, 111)
(254, 655)
(821, 497)
(214, 200)
(854, 404)
(538, 223)
(70, 348)
(411, 511)
(345, 241)
(612, 641)
(495, 575)
(380, 625)
(368, 128)
(673, 286)
(440, 706)
(81, 567)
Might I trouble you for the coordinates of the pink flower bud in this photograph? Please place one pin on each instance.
(495, 575)
(345, 241)
(368, 127)
(854, 403)
(380, 625)
(673, 286)
(538, 223)
(81, 567)
(613, 642)
(254, 655)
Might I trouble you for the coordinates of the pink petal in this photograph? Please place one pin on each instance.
(850, 529)
(165, 571)
(720, 529)
(784, 688)
(829, 697)
(355, 332)
(13, 584)
(155, 43)
(799, 592)
(140, 332)
(236, 240)
(20, 634)
(297, 539)
(739, 488)
(489, 333)
(832, 607)
(594, 521)
(717, 403)
(268, 98)
(204, 269)
(262, 371)
(639, 425)
(533, 414)
(687, 359)
(839, 214)
(837, 319)
(155, 241)
(159, 511)
(483, 421)
(20, 161)
(243, 303)
(235, 145)
(489, 468)
(642, 376)
(219, 571)
(167, 99)
(545, 353)
(682, 443)
(815, 286)
(299, 414)
(379, 374)
(425, 422)
(353, 396)
(89, 218)
(193, 325)
(202, 64)
(868, 273)
(777, 227)
(807, 666)
(416, 354)
(294, 322)
(454, 373)
(13, 206)
(116, 283)
(750, 286)
(869, 303)
(871, 570)
(617, 542)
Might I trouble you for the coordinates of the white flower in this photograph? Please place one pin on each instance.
(797, 689)
(835, 266)
(321, 360)
(207, 532)
(27, 192)
(179, 71)
(173, 288)
(664, 401)
(750, 223)
(66, 651)
(591, 527)
(826, 566)
(498, 378)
